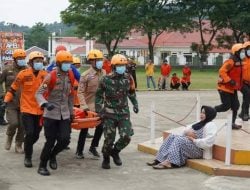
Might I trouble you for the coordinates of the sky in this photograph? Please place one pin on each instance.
(29, 12)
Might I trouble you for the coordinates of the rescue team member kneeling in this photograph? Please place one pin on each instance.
(28, 81)
(58, 111)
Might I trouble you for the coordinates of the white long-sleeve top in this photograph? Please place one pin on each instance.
(208, 139)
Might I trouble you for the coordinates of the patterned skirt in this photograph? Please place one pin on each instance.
(177, 149)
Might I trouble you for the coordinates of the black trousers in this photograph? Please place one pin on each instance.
(2, 111)
(134, 77)
(57, 134)
(176, 86)
(229, 101)
(95, 140)
(32, 130)
(185, 86)
(245, 90)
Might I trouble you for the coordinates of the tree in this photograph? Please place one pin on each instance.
(204, 20)
(153, 17)
(235, 16)
(106, 21)
(38, 36)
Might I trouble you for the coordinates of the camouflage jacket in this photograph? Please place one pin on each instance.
(7, 77)
(113, 93)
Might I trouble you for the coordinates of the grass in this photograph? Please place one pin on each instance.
(206, 79)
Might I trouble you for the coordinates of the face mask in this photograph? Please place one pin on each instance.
(248, 52)
(66, 67)
(38, 66)
(21, 63)
(78, 69)
(120, 69)
(99, 64)
(242, 55)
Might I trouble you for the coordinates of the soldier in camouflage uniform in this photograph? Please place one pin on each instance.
(112, 106)
(13, 108)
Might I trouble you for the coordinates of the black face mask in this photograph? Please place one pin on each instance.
(210, 115)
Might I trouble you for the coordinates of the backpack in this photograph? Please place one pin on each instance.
(52, 83)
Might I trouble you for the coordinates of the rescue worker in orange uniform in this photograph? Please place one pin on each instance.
(28, 81)
(230, 80)
(245, 90)
(107, 65)
(13, 108)
(185, 82)
(174, 82)
(58, 111)
(186, 71)
(88, 85)
(165, 72)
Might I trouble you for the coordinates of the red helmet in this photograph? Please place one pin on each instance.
(60, 48)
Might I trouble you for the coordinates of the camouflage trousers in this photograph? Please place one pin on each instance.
(15, 125)
(110, 124)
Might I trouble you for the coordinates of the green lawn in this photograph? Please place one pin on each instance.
(206, 79)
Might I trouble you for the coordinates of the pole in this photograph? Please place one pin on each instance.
(198, 107)
(152, 123)
(228, 139)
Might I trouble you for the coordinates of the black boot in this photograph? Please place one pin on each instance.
(42, 170)
(106, 162)
(27, 162)
(53, 163)
(116, 157)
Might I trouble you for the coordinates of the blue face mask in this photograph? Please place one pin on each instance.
(66, 67)
(21, 63)
(38, 66)
(242, 55)
(99, 64)
(120, 69)
(248, 52)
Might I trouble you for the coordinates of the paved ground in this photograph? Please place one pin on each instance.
(134, 174)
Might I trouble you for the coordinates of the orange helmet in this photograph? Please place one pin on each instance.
(236, 48)
(119, 59)
(76, 60)
(60, 48)
(35, 54)
(246, 44)
(95, 54)
(19, 53)
(64, 56)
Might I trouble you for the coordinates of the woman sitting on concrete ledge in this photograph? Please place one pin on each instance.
(196, 142)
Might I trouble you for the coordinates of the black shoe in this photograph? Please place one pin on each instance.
(43, 171)
(93, 152)
(153, 163)
(236, 127)
(79, 155)
(28, 163)
(106, 162)
(4, 122)
(53, 163)
(89, 136)
(116, 158)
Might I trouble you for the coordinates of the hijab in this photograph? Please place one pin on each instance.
(210, 115)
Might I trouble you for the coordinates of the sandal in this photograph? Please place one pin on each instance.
(161, 166)
(153, 163)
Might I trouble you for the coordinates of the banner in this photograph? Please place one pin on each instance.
(9, 41)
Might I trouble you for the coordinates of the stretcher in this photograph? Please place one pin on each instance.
(81, 120)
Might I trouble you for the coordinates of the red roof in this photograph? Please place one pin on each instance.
(73, 40)
(79, 50)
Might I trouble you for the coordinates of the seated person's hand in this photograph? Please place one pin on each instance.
(191, 133)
